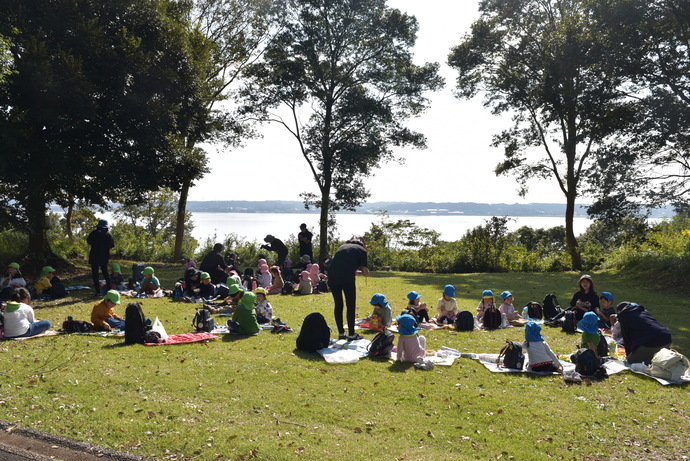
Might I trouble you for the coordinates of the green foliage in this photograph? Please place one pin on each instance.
(13, 246)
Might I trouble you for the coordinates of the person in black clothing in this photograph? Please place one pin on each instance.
(101, 242)
(304, 239)
(191, 282)
(643, 336)
(214, 264)
(278, 246)
(585, 299)
(349, 258)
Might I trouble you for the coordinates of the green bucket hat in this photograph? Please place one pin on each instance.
(116, 268)
(147, 271)
(233, 289)
(45, 271)
(113, 296)
(15, 265)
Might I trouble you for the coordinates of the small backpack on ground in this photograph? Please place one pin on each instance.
(413, 313)
(669, 364)
(603, 346)
(550, 307)
(569, 323)
(153, 337)
(534, 310)
(203, 321)
(135, 324)
(492, 318)
(382, 344)
(464, 321)
(314, 334)
(58, 291)
(137, 273)
(587, 363)
(76, 326)
(287, 289)
(512, 356)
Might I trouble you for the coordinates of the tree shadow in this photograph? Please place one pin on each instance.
(311, 356)
(400, 367)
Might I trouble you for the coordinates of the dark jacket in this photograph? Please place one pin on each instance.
(639, 328)
(101, 242)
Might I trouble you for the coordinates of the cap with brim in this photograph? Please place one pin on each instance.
(412, 295)
(234, 289)
(533, 332)
(589, 323)
(261, 290)
(487, 294)
(606, 295)
(147, 271)
(112, 296)
(116, 268)
(45, 271)
(102, 224)
(378, 298)
(204, 275)
(406, 325)
(15, 265)
(505, 295)
(449, 290)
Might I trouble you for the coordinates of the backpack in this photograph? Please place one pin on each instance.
(76, 326)
(287, 289)
(534, 310)
(492, 319)
(137, 269)
(512, 355)
(58, 291)
(587, 363)
(464, 321)
(153, 337)
(178, 292)
(551, 309)
(569, 323)
(203, 321)
(135, 324)
(603, 346)
(314, 334)
(413, 313)
(669, 364)
(382, 345)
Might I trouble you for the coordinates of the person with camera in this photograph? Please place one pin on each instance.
(277, 245)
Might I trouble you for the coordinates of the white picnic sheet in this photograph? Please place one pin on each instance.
(343, 351)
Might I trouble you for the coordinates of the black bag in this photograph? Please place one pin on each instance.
(314, 334)
(222, 291)
(587, 363)
(137, 271)
(152, 337)
(135, 324)
(76, 326)
(464, 321)
(512, 356)
(58, 291)
(203, 321)
(413, 313)
(287, 289)
(550, 307)
(569, 323)
(492, 318)
(603, 346)
(534, 310)
(382, 345)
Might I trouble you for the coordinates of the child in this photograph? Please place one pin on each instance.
(508, 310)
(606, 311)
(418, 307)
(264, 280)
(19, 318)
(590, 331)
(411, 346)
(117, 280)
(12, 279)
(103, 315)
(264, 310)
(244, 318)
(304, 287)
(540, 357)
(315, 277)
(447, 307)
(150, 284)
(207, 290)
(487, 302)
(248, 280)
(585, 299)
(46, 280)
(382, 310)
(277, 286)
(191, 282)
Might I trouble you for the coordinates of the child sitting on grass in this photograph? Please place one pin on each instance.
(244, 318)
(103, 314)
(264, 279)
(264, 310)
(447, 307)
(606, 311)
(590, 331)
(304, 287)
(382, 317)
(150, 285)
(540, 357)
(411, 346)
(19, 318)
(508, 310)
(418, 307)
(207, 290)
(117, 280)
(46, 280)
(277, 282)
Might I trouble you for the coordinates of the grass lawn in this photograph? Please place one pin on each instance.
(242, 398)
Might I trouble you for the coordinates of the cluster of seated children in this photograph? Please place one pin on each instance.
(48, 284)
(305, 278)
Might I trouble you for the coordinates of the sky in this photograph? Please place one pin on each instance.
(457, 165)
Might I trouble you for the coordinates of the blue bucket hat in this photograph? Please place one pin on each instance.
(102, 224)
(533, 332)
(378, 298)
(606, 295)
(487, 294)
(505, 294)
(412, 295)
(449, 290)
(406, 325)
(589, 323)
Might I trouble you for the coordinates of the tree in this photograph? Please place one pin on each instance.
(93, 104)
(541, 61)
(343, 71)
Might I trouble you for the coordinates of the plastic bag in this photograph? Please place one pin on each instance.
(158, 327)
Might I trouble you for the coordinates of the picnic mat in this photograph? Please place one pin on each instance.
(362, 324)
(343, 351)
(24, 338)
(103, 334)
(185, 338)
(441, 357)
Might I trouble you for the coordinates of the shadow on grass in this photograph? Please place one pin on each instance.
(400, 367)
(311, 356)
(230, 338)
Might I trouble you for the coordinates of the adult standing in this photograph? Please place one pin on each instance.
(101, 241)
(278, 246)
(214, 264)
(349, 258)
(643, 335)
(304, 239)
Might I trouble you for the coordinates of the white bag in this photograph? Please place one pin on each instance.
(669, 365)
(158, 327)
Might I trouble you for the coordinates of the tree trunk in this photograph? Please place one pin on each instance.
(570, 239)
(179, 226)
(68, 220)
(323, 226)
(38, 253)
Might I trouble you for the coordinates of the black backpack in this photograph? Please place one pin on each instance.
(587, 363)
(135, 324)
(550, 307)
(603, 346)
(287, 289)
(382, 345)
(512, 356)
(314, 334)
(76, 326)
(464, 321)
(203, 321)
(413, 313)
(569, 323)
(58, 291)
(534, 310)
(492, 319)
